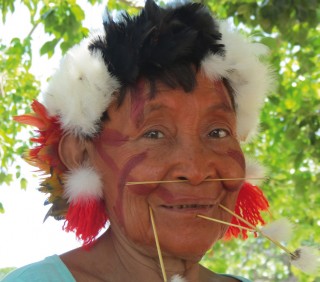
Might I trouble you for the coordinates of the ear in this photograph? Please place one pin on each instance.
(72, 151)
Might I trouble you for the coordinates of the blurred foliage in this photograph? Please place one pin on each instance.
(5, 271)
(289, 141)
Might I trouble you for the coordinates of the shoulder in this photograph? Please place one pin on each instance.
(51, 269)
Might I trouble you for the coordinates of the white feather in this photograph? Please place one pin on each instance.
(177, 278)
(307, 260)
(83, 182)
(254, 170)
(80, 91)
(280, 230)
(251, 79)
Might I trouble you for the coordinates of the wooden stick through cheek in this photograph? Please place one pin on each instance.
(185, 181)
(158, 245)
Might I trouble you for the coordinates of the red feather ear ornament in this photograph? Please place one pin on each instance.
(75, 195)
(86, 214)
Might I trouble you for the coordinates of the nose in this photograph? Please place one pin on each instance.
(193, 162)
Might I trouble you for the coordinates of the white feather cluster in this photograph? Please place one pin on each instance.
(254, 170)
(306, 259)
(82, 183)
(250, 79)
(177, 278)
(80, 91)
(279, 230)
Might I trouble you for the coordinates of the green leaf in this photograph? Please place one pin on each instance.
(23, 183)
(1, 208)
(49, 47)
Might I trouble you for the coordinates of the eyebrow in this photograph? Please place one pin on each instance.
(221, 107)
(215, 108)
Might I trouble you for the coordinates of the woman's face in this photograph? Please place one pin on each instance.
(174, 136)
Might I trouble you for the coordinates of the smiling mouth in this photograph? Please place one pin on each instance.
(192, 206)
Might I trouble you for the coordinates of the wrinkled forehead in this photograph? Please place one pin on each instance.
(144, 90)
(143, 98)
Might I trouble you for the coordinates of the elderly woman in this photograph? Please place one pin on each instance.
(141, 127)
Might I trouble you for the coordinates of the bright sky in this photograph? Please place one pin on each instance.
(24, 238)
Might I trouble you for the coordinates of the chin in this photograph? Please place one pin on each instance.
(189, 248)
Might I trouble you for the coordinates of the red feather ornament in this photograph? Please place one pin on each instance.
(85, 217)
(250, 203)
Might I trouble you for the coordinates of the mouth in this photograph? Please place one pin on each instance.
(188, 207)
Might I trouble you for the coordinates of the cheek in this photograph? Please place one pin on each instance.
(124, 177)
(232, 166)
(238, 157)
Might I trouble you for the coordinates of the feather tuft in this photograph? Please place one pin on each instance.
(82, 182)
(250, 203)
(255, 170)
(280, 230)
(306, 259)
(80, 91)
(86, 217)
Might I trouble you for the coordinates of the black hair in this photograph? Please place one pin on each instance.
(160, 44)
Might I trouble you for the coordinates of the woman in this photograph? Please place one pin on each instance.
(142, 126)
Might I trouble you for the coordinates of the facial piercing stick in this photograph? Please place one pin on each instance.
(224, 222)
(184, 181)
(158, 246)
(258, 230)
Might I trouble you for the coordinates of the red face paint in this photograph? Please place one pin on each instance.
(123, 178)
(137, 102)
(112, 137)
(105, 157)
(238, 157)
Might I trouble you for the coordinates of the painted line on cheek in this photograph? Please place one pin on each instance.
(238, 157)
(124, 173)
(105, 157)
(112, 137)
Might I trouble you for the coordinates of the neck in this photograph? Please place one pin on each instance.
(142, 264)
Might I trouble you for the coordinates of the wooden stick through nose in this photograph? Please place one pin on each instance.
(184, 181)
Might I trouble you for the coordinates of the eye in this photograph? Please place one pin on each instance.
(219, 133)
(153, 134)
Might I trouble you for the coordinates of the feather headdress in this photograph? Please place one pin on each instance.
(160, 44)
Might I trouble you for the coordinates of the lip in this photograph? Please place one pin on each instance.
(188, 207)
(189, 204)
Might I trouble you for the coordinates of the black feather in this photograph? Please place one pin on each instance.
(159, 44)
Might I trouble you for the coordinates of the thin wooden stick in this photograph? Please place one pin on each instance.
(224, 222)
(184, 181)
(258, 230)
(158, 245)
